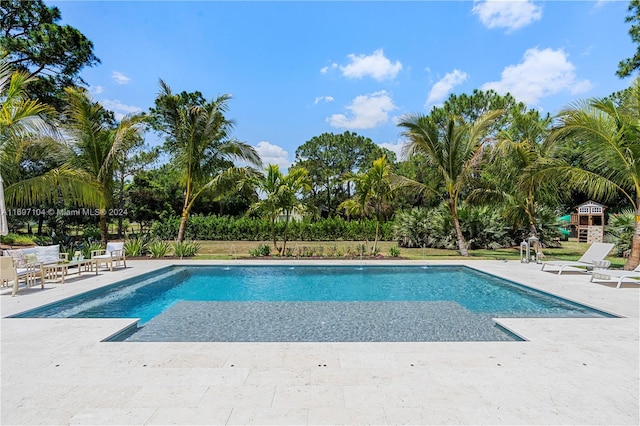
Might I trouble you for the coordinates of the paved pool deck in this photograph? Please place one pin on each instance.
(568, 371)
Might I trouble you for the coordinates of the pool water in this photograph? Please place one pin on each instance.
(286, 303)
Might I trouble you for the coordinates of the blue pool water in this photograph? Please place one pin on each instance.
(282, 299)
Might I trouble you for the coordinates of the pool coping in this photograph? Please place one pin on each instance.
(576, 370)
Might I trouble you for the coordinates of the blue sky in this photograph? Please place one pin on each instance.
(299, 69)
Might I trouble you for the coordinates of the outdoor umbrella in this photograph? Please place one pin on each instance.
(4, 226)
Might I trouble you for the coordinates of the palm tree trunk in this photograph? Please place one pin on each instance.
(462, 245)
(103, 227)
(183, 225)
(634, 257)
(185, 214)
(284, 237)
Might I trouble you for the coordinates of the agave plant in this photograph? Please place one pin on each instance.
(184, 249)
(159, 248)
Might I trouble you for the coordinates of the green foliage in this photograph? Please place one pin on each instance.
(21, 240)
(136, 247)
(37, 44)
(90, 233)
(620, 229)
(330, 159)
(199, 143)
(394, 251)
(184, 249)
(484, 227)
(159, 248)
(627, 66)
(262, 250)
(225, 228)
(89, 247)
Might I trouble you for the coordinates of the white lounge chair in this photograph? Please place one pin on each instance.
(610, 274)
(10, 273)
(113, 254)
(597, 251)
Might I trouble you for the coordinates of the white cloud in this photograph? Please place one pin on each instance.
(541, 73)
(326, 69)
(119, 109)
(367, 111)
(96, 90)
(120, 78)
(395, 147)
(442, 88)
(273, 154)
(323, 98)
(511, 14)
(375, 65)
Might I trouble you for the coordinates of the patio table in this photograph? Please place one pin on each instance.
(51, 271)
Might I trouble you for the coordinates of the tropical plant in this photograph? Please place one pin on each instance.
(454, 148)
(136, 247)
(184, 249)
(330, 159)
(620, 230)
(373, 192)
(262, 250)
(27, 137)
(159, 248)
(97, 142)
(281, 196)
(394, 251)
(608, 133)
(507, 179)
(200, 145)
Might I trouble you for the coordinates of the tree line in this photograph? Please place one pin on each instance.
(59, 147)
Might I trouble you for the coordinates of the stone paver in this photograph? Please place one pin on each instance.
(568, 371)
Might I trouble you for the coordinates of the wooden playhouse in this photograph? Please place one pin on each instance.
(587, 223)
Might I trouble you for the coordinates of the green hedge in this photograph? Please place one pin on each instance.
(225, 228)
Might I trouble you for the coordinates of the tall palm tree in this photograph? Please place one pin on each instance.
(608, 131)
(97, 143)
(281, 196)
(372, 193)
(453, 147)
(28, 132)
(200, 145)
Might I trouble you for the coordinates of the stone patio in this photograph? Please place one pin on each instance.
(569, 371)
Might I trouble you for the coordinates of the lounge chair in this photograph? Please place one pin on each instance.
(113, 254)
(610, 274)
(29, 272)
(597, 251)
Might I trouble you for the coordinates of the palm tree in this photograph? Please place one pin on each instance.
(372, 193)
(608, 131)
(508, 177)
(200, 146)
(453, 147)
(28, 134)
(97, 144)
(281, 194)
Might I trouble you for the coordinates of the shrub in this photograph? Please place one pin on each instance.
(394, 251)
(159, 249)
(261, 251)
(620, 230)
(136, 247)
(88, 248)
(185, 249)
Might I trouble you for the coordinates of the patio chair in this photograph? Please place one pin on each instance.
(597, 251)
(113, 254)
(30, 273)
(610, 274)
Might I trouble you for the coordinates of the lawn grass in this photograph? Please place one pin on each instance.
(224, 250)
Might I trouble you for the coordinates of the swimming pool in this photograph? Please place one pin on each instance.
(315, 303)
